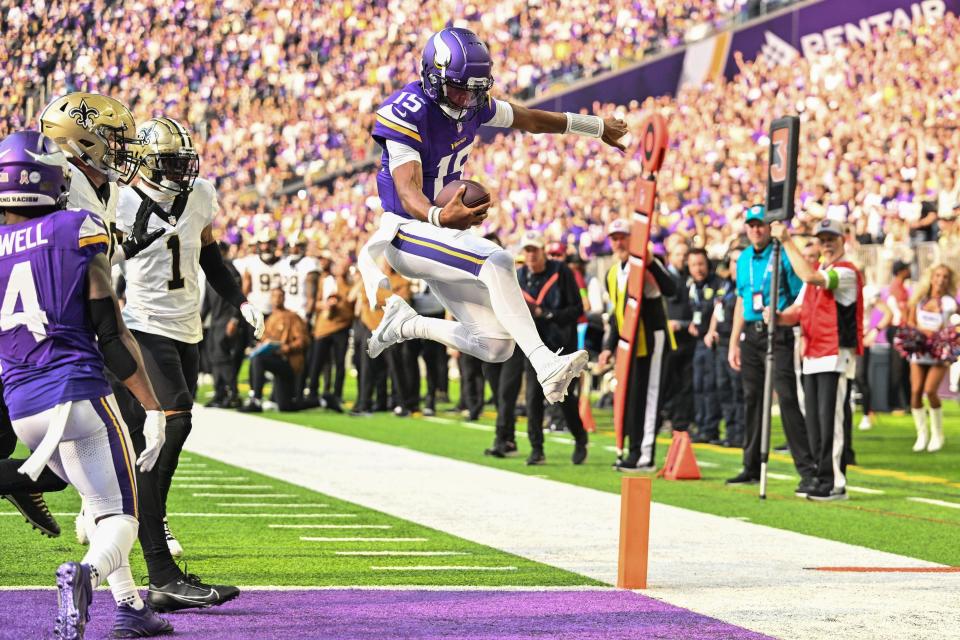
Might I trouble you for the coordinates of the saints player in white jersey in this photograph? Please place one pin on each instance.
(259, 271)
(163, 291)
(299, 274)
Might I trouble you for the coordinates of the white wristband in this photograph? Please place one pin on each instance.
(433, 216)
(590, 126)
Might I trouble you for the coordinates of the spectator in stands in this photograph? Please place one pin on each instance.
(748, 348)
(702, 295)
(829, 310)
(933, 307)
(653, 340)
(282, 353)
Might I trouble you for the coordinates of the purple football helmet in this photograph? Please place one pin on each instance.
(34, 174)
(456, 72)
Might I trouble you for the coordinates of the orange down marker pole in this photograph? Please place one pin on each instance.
(634, 533)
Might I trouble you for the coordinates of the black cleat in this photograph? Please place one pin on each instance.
(34, 508)
(579, 452)
(188, 592)
(536, 458)
(743, 478)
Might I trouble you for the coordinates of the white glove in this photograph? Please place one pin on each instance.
(253, 317)
(154, 432)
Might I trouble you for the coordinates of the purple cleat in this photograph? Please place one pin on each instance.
(74, 594)
(143, 623)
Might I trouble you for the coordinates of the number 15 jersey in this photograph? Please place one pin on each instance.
(410, 118)
(163, 286)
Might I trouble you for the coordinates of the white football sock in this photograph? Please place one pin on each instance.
(109, 552)
(500, 276)
(457, 336)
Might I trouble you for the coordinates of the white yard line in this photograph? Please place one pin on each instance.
(258, 515)
(243, 495)
(303, 505)
(400, 554)
(358, 539)
(330, 526)
(477, 427)
(872, 492)
(441, 568)
(936, 503)
(189, 478)
(226, 485)
(781, 476)
(743, 573)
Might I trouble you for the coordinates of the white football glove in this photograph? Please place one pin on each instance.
(154, 432)
(253, 317)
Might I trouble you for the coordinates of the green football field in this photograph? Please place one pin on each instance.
(900, 501)
(237, 538)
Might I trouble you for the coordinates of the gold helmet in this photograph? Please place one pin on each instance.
(168, 160)
(96, 130)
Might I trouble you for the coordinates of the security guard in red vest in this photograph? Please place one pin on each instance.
(654, 339)
(553, 296)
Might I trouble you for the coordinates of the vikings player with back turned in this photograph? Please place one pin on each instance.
(97, 135)
(163, 310)
(59, 325)
(427, 130)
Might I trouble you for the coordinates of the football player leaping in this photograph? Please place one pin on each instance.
(427, 130)
(163, 308)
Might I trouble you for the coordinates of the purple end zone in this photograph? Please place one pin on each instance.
(372, 614)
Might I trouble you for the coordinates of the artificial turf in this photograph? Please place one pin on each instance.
(246, 551)
(885, 521)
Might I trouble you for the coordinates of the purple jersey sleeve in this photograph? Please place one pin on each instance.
(401, 119)
(48, 351)
(486, 114)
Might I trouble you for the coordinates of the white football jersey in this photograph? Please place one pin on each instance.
(263, 278)
(293, 276)
(163, 280)
(84, 196)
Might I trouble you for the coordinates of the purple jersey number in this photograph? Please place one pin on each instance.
(48, 351)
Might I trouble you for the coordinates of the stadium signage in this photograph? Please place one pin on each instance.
(866, 29)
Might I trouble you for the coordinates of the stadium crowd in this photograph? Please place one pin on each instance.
(252, 81)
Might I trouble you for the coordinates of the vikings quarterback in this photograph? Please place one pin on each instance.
(59, 325)
(427, 130)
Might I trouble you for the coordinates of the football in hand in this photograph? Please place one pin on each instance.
(474, 196)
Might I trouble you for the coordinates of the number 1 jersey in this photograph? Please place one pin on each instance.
(48, 350)
(408, 117)
(163, 280)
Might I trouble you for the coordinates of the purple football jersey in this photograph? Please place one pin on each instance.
(409, 117)
(48, 350)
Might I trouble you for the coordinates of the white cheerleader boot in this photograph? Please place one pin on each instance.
(936, 430)
(920, 422)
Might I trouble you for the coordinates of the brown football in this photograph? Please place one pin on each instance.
(475, 195)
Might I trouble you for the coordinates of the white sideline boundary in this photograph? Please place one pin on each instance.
(743, 573)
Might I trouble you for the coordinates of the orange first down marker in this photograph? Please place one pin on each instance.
(634, 533)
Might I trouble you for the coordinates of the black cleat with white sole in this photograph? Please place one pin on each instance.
(188, 592)
(34, 508)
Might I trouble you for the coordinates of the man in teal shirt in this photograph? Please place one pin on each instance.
(748, 348)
